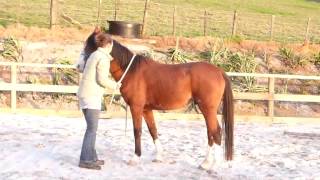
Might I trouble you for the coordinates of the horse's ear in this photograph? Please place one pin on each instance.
(97, 30)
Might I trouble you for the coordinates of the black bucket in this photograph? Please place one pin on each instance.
(125, 29)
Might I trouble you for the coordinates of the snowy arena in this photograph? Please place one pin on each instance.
(38, 147)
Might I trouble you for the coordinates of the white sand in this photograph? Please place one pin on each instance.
(33, 147)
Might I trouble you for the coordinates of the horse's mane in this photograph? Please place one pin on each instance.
(123, 55)
(90, 46)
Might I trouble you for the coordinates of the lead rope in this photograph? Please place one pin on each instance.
(119, 82)
(125, 128)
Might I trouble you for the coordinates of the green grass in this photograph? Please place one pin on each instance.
(32, 13)
(253, 16)
(294, 8)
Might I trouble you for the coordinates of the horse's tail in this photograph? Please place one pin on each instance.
(228, 117)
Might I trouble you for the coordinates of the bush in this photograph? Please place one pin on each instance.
(63, 75)
(291, 59)
(236, 62)
(12, 50)
(179, 56)
(316, 59)
(237, 39)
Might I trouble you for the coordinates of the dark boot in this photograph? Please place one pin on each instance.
(99, 162)
(90, 165)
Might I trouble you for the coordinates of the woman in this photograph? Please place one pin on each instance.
(94, 63)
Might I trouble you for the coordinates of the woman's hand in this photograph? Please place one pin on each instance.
(118, 85)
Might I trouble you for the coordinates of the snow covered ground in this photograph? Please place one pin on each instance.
(34, 147)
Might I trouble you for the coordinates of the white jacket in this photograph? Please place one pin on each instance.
(95, 78)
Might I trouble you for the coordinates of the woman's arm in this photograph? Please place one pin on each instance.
(103, 74)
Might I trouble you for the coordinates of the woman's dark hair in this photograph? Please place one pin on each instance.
(102, 39)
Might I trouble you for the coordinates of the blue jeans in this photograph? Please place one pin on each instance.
(88, 151)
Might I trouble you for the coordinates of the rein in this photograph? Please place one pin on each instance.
(122, 77)
(127, 69)
(119, 82)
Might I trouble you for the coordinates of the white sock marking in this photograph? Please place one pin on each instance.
(134, 160)
(159, 150)
(208, 161)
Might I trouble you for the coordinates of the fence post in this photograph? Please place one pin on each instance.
(306, 38)
(174, 21)
(99, 11)
(53, 13)
(205, 23)
(234, 23)
(271, 26)
(145, 17)
(115, 9)
(13, 90)
(271, 82)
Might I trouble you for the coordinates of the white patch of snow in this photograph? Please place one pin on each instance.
(34, 147)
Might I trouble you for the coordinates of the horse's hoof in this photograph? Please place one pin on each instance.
(157, 160)
(134, 160)
(202, 168)
(132, 163)
(205, 166)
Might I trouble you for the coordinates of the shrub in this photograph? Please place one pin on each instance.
(291, 59)
(64, 75)
(237, 62)
(12, 50)
(179, 56)
(237, 39)
(316, 59)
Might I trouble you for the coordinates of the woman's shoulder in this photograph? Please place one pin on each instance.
(96, 55)
(99, 54)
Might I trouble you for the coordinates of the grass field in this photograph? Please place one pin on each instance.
(253, 16)
(294, 8)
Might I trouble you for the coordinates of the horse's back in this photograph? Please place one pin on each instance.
(189, 76)
(205, 70)
(168, 86)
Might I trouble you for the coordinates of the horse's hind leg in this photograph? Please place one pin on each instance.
(213, 132)
(149, 118)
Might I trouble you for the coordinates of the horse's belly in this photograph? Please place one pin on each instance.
(170, 101)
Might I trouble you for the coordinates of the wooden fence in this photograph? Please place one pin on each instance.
(269, 96)
(164, 19)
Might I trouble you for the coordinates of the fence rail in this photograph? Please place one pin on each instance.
(269, 96)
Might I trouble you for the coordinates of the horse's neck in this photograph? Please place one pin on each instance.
(115, 70)
(117, 75)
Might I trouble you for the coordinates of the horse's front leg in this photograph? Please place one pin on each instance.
(136, 112)
(149, 118)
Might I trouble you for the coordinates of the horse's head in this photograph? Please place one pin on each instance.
(90, 45)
